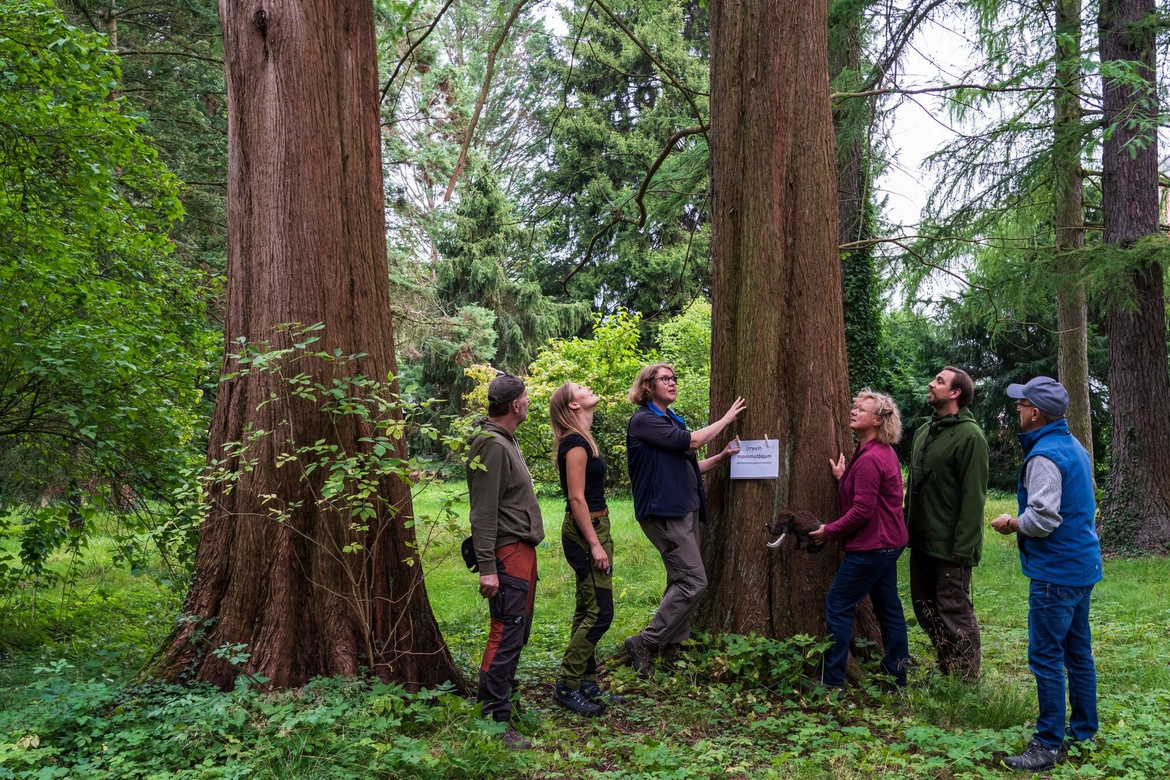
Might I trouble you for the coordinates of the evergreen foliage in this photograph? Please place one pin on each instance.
(484, 261)
(617, 111)
(859, 163)
(172, 79)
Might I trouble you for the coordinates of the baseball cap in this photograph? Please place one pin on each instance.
(1043, 392)
(504, 389)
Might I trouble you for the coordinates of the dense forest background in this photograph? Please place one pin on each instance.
(546, 196)
(259, 403)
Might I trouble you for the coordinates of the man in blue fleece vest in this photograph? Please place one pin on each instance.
(1061, 555)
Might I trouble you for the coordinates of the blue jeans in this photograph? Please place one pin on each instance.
(872, 573)
(1059, 640)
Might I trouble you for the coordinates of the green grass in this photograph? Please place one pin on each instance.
(701, 718)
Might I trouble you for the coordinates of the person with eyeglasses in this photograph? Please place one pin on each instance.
(946, 493)
(670, 502)
(1061, 555)
(873, 535)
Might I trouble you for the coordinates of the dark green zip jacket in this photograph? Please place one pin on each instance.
(946, 489)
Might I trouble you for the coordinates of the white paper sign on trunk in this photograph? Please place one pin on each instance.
(756, 459)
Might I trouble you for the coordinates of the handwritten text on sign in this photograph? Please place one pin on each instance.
(756, 459)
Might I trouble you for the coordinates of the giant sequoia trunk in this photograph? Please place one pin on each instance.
(1072, 311)
(1138, 508)
(777, 329)
(309, 594)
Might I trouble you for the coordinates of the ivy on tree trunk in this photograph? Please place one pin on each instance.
(1137, 510)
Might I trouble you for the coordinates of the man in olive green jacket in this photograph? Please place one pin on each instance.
(506, 527)
(946, 491)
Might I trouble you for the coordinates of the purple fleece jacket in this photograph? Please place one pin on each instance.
(871, 501)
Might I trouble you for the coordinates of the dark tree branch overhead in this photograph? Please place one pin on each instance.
(938, 89)
(482, 99)
(687, 92)
(910, 24)
(188, 55)
(638, 197)
(414, 46)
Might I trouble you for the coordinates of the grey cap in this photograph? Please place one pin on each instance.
(1043, 392)
(504, 389)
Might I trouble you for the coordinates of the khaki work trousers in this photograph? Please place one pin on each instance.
(677, 541)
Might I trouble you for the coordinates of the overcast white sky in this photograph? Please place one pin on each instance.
(918, 123)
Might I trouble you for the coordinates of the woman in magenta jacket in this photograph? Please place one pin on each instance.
(873, 533)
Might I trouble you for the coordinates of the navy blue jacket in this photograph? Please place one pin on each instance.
(1070, 555)
(662, 466)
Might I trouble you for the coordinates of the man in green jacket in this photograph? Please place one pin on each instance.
(945, 494)
(506, 527)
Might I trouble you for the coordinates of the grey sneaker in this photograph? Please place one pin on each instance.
(574, 700)
(1036, 758)
(640, 654)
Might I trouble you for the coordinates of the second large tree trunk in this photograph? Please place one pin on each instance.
(777, 328)
(1137, 511)
(307, 589)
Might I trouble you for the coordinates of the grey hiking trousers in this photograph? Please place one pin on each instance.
(677, 541)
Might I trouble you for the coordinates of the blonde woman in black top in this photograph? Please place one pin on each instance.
(586, 541)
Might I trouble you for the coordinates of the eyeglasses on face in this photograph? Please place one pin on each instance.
(667, 380)
(1024, 405)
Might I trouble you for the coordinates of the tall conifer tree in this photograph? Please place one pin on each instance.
(289, 597)
(778, 333)
(1137, 510)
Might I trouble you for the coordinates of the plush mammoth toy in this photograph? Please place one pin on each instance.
(799, 524)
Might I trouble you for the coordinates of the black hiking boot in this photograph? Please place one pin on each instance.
(574, 700)
(596, 694)
(641, 654)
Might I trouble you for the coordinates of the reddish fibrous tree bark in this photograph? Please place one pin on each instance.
(1138, 507)
(306, 245)
(777, 325)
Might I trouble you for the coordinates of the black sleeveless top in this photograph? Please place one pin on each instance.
(594, 472)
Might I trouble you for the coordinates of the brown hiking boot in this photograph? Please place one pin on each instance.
(641, 654)
(512, 739)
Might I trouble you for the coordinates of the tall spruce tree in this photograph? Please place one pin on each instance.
(619, 237)
(484, 261)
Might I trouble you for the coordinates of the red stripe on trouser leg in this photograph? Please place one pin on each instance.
(511, 611)
(495, 634)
